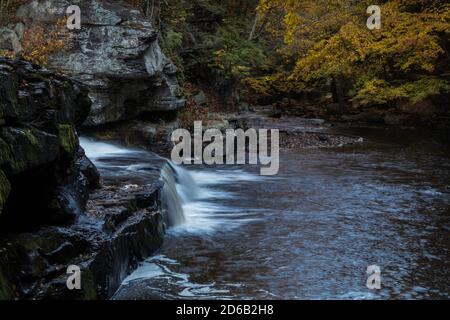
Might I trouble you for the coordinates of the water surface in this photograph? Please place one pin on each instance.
(312, 231)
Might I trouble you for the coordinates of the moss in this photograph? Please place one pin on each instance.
(67, 138)
(5, 188)
(6, 292)
(10, 105)
(34, 141)
(89, 286)
(5, 153)
(105, 135)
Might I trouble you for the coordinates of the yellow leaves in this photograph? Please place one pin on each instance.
(380, 91)
(292, 21)
(7, 54)
(329, 39)
(266, 85)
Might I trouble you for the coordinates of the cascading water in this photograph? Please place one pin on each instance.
(197, 203)
(190, 197)
(172, 200)
(136, 166)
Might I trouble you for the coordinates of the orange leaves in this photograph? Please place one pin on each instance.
(7, 10)
(38, 44)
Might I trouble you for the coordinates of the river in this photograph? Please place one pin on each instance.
(309, 232)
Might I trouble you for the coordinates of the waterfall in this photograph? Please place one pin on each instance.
(127, 164)
(191, 198)
(171, 199)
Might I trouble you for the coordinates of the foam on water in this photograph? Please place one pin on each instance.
(190, 197)
(193, 204)
(95, 149)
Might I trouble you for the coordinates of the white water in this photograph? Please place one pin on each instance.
(190, 197)
(96, 149)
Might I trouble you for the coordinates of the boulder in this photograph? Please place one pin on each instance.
(9, 40)
(116, 55)
(200, 98)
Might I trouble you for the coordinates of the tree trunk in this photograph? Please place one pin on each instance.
(338, 90)
(255, 23)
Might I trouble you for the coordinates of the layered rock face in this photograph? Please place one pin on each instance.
(39, 114)
(115, 55)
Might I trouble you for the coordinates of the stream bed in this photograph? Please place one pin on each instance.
(311, 231)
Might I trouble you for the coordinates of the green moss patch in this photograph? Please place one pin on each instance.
(5, 153)
(6, 292)
(68, 140)
(5, 188)
(34, 141)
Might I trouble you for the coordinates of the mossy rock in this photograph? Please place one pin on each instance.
(31, 138)
(68, 140)
(29, 148)
(6, 157)
(8, 95)
(6, 291)
(5, 188)
(105, 135)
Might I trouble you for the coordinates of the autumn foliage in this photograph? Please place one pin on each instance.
(8, 9)
(327, 43)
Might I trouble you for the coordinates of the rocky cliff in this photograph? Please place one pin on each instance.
(53, 211)
(115, 55)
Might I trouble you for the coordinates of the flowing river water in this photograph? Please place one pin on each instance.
(309, 232)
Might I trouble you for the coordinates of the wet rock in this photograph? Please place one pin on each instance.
(115, 55)
(122, 227)
(29, 148)
(39, 145)
(153, 135)
(45, 182)
(89, 170)
(306, 140)
(70, 200)
(297, 132)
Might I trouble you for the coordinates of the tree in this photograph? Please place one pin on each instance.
(331, 45)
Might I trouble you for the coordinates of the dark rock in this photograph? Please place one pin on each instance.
(151, 135)
(5, 188)
(39, 144)
(45, 180)
(310, 139)
(89, 170)
(70, 200)
(33, 265)
(334, 109)
(61, 253)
